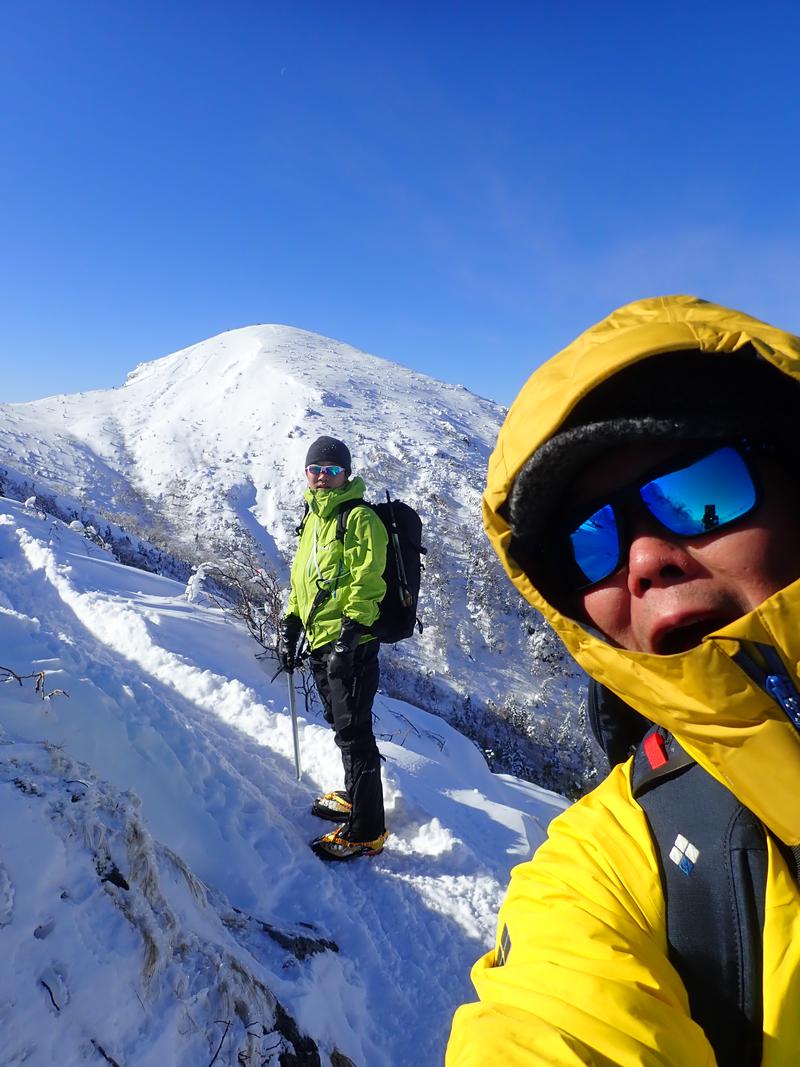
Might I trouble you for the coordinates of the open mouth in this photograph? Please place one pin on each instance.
(682, 638)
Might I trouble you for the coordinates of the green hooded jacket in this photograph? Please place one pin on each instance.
(351, 570)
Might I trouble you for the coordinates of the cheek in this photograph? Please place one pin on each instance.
(771, 553)
(781, 550)
(608, 609)
(761, 560)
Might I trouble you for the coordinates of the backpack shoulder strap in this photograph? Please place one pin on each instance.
(615, 725)
(713, 862)
(299, 528)
(791, 853)
(343, 515)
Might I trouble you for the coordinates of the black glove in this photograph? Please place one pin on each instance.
(341, 659)
(288, 635)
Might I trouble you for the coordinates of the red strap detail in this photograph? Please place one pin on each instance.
(655, 750)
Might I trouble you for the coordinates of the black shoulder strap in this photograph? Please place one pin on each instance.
(299, 528)
(713, 857)
(616, 727)
(791, 853)
(344, 514)
(341, 517)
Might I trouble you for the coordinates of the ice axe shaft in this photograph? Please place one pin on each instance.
(295, 733)
(405, 596)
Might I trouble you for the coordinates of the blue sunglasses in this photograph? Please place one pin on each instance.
(331, 469)
(693, 499)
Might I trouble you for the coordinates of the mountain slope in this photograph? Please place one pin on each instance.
(158, 899)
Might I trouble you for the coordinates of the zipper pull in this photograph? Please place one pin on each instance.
(763, 665)
(781, 690)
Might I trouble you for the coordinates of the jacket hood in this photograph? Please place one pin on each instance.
(719, 710)
(323, 501)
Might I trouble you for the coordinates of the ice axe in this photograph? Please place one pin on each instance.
(293, 712)
(300, 654)
(295, 733)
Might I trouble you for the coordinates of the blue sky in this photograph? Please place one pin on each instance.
(460, 187)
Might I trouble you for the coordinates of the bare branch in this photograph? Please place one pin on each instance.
(50, 991)
(221, 1042)
(109, 1059)
(250, 590)
(39, 687)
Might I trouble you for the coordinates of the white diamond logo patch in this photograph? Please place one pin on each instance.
(684, 854)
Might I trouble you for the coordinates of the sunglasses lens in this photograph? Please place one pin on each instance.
(710, 493)
(595, 546)
(330, 469)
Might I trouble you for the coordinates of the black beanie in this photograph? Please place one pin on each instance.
(328, 450)
(680, 396)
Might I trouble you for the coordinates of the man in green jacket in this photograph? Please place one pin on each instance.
(336, 589)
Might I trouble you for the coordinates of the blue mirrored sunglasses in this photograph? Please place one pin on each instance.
(696, 498)
(331, 469)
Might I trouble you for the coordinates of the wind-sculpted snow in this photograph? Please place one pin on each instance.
(204, 449)
(159, 903)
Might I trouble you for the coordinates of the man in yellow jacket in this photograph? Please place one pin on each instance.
(336, 588)
(644, 497)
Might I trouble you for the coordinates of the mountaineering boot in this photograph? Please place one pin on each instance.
(335, 807)
(337, 846)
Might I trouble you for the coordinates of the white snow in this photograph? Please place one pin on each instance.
(158, 898)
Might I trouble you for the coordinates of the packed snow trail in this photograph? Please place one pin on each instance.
(168, 703)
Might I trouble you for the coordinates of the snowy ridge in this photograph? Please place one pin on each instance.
(158, 899)
(205, 448)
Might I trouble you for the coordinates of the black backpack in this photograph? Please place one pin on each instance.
(397, 618)
(712, 854)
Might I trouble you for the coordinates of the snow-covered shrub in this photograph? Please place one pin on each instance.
(250, 590)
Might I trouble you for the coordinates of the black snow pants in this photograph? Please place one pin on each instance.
(347, 706)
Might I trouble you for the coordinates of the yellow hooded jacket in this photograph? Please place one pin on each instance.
(586, 979)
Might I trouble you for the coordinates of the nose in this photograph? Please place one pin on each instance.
(655, 561)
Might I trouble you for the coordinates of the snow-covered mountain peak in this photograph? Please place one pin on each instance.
(248, 348)
(262, 357)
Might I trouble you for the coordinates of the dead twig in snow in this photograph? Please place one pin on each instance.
(221, 1041)
(39, 687)
(50, 991)
(109, 1059)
